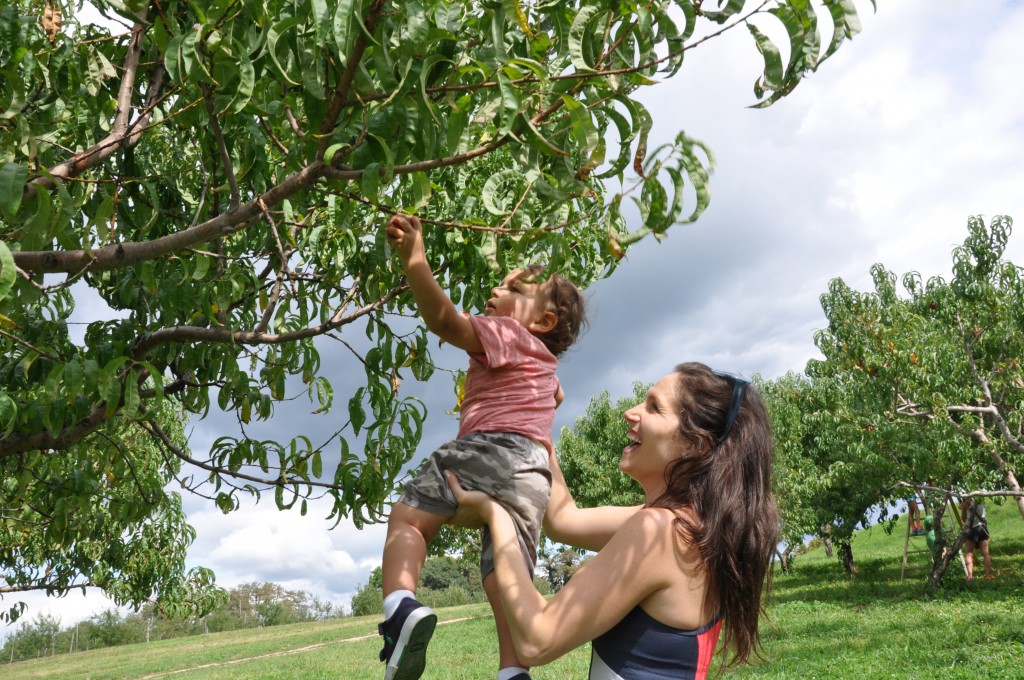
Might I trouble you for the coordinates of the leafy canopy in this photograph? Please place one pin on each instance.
(922, 389)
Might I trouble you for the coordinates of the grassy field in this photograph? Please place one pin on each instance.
(823, 625)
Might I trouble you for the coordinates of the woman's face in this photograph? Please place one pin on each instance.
(654, 433)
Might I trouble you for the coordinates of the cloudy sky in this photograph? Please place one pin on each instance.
(881, 156)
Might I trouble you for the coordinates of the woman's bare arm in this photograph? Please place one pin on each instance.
(588, 528)
(637, 562)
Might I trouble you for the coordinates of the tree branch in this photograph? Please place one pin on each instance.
(282, 480)
(345, 82)
(224, 335)
(46, 586)
(222, 146)
(128, 254)
(122, 133)
(41, 441)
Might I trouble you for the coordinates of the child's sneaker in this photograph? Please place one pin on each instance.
(406, 635)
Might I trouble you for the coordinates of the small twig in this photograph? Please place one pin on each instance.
(30, 347)
(225, 155)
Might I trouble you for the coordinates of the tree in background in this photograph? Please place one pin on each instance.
(559, 567)
(216, 176)
(589, 452)
(445, 581)
(248, 605)
(917, 390)
(937, 374)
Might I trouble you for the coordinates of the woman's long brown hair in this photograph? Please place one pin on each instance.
(726, 488)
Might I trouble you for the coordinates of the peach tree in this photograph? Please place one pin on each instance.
(919, 390)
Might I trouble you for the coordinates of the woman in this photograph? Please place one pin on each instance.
(670, 575)
(976, 517)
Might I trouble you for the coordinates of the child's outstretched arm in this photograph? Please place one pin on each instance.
(405, 234)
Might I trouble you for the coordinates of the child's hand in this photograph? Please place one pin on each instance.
(405, 235)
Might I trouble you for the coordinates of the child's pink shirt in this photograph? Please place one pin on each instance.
(511, 386)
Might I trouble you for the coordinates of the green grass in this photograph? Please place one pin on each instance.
(824, 624)
(828, 625)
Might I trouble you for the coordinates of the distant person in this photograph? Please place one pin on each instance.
(929, 535)
(975, 516)
(670, 576)
(503, 444)
(914, 516)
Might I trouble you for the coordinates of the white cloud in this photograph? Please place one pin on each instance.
(260, 543)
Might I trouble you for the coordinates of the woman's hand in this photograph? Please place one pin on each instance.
(475, 507)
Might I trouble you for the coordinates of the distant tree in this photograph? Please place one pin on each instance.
(560, 567)
(590, 450)
(441, 573)
(34, 638)
(369, 599)
(935, 379)
(216, 175)
(921, 389)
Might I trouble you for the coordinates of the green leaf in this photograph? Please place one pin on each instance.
(722, 15)
(8, 274)
(509, 103)
(773, 69)
(582, 124)
(583, 25)
(448, 17)
(202, 263)
(172, 59)
(12, 186)
(498, 200)
(356, 412)
(131, 397)
(8, 414)
(274, 35)
(246, 83)
(370, 182)
(421, 190)
(342, 30)
(322, 20)
(846, 23)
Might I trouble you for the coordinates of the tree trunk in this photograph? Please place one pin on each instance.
(941, 561)
(826, 540)
(846, 554)
(784, 556)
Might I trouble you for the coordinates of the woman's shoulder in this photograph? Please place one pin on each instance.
(663, 524)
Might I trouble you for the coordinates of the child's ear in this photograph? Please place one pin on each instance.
(545, 322)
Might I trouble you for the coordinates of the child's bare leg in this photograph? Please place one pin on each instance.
(507, 656)
(405, 549)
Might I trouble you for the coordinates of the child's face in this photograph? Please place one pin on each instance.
(518, 297)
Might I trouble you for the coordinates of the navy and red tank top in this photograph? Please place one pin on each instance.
(641, 648)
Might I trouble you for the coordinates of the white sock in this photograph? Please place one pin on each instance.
(392, 600)
(511, 672)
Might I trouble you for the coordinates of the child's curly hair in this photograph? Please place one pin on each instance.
(566, 301)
